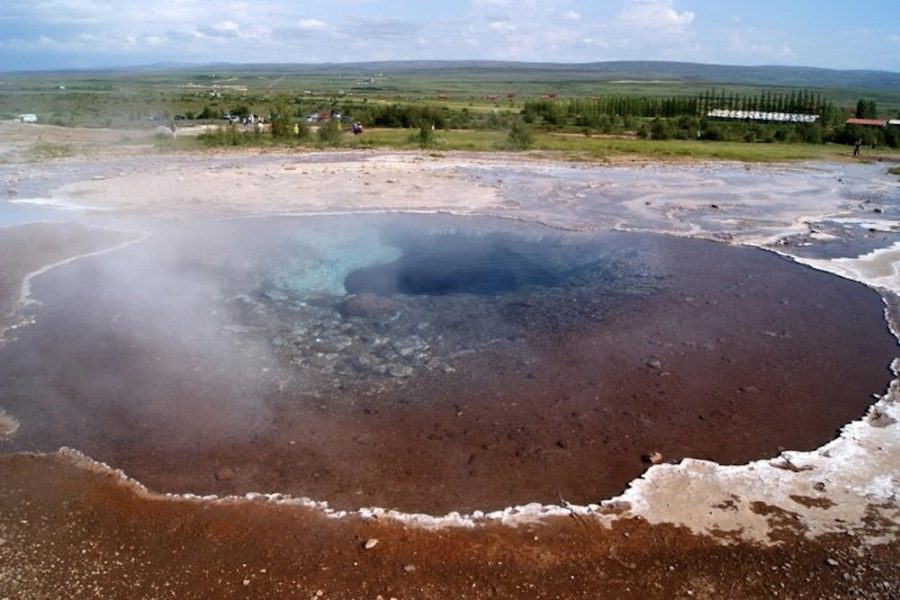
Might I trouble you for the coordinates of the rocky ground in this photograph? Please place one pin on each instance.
(820, 524)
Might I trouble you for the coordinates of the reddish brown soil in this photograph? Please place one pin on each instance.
(70, 533)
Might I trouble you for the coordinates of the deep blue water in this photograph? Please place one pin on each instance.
(454, 263)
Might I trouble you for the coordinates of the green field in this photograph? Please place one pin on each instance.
(124, 98)
(459, 96)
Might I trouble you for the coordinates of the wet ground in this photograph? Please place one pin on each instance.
(70, 532)
(322, 359)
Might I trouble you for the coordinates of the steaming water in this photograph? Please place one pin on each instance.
(20, 213)
(433, 362)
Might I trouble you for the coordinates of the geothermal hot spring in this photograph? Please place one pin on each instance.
(433, 363)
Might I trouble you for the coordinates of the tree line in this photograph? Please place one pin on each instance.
(585, 111)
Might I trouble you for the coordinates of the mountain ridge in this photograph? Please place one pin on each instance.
(600, 71)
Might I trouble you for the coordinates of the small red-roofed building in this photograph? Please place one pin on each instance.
(867, 122)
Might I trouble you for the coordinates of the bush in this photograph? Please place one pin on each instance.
(227, 135)
(330, 133)
(660, 129)
(519, 137)
(282, 124)
(424, 137)
(712, 133)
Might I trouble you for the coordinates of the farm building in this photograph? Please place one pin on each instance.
(755, 115)
(867, 122)
(28, 118)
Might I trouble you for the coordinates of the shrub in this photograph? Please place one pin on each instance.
(330, 133)
(424, 137)
(660, 129)
(519, 137)
(224, 135)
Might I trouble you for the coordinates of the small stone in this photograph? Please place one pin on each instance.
(654, 363)
(224, 474)
(320, 593)
(369, 306)
(370, 543)
(819, 486)
(654, 458)
(246, 582)
(410, 568)
(831, 562)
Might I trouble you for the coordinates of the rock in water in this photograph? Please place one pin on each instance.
(8, 426)
(369, 306)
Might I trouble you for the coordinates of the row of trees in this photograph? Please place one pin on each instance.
(589, 111)
(755, 131)
(679, 117)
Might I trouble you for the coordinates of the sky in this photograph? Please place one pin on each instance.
(55, 34)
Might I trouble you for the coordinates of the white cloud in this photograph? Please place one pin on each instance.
(502, 26)
(757, 49)
(492, 3)
(107, 32)
(659, 15)
(311, 25)
(226, 27)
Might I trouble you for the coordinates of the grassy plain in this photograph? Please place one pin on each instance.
(573, 147)
(144, 99)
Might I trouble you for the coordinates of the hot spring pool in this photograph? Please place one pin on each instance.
(434, 363)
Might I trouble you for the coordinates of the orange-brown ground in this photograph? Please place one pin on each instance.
(74, 533)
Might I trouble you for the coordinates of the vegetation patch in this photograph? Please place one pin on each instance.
(49, 151)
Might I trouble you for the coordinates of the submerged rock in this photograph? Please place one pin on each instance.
(369, 306)
(224, 474)
(8, 426)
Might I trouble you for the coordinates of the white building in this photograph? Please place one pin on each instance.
(28, 118)
(755, 115)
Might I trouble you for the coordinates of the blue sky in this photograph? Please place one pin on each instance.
(48, 34)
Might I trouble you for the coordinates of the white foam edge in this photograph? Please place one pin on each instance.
(879, 268)
(56, 202)
(881, 225)
(25, 298)
(532, 513)
(650, 496)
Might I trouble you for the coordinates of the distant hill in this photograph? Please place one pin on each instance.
(638, 71)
